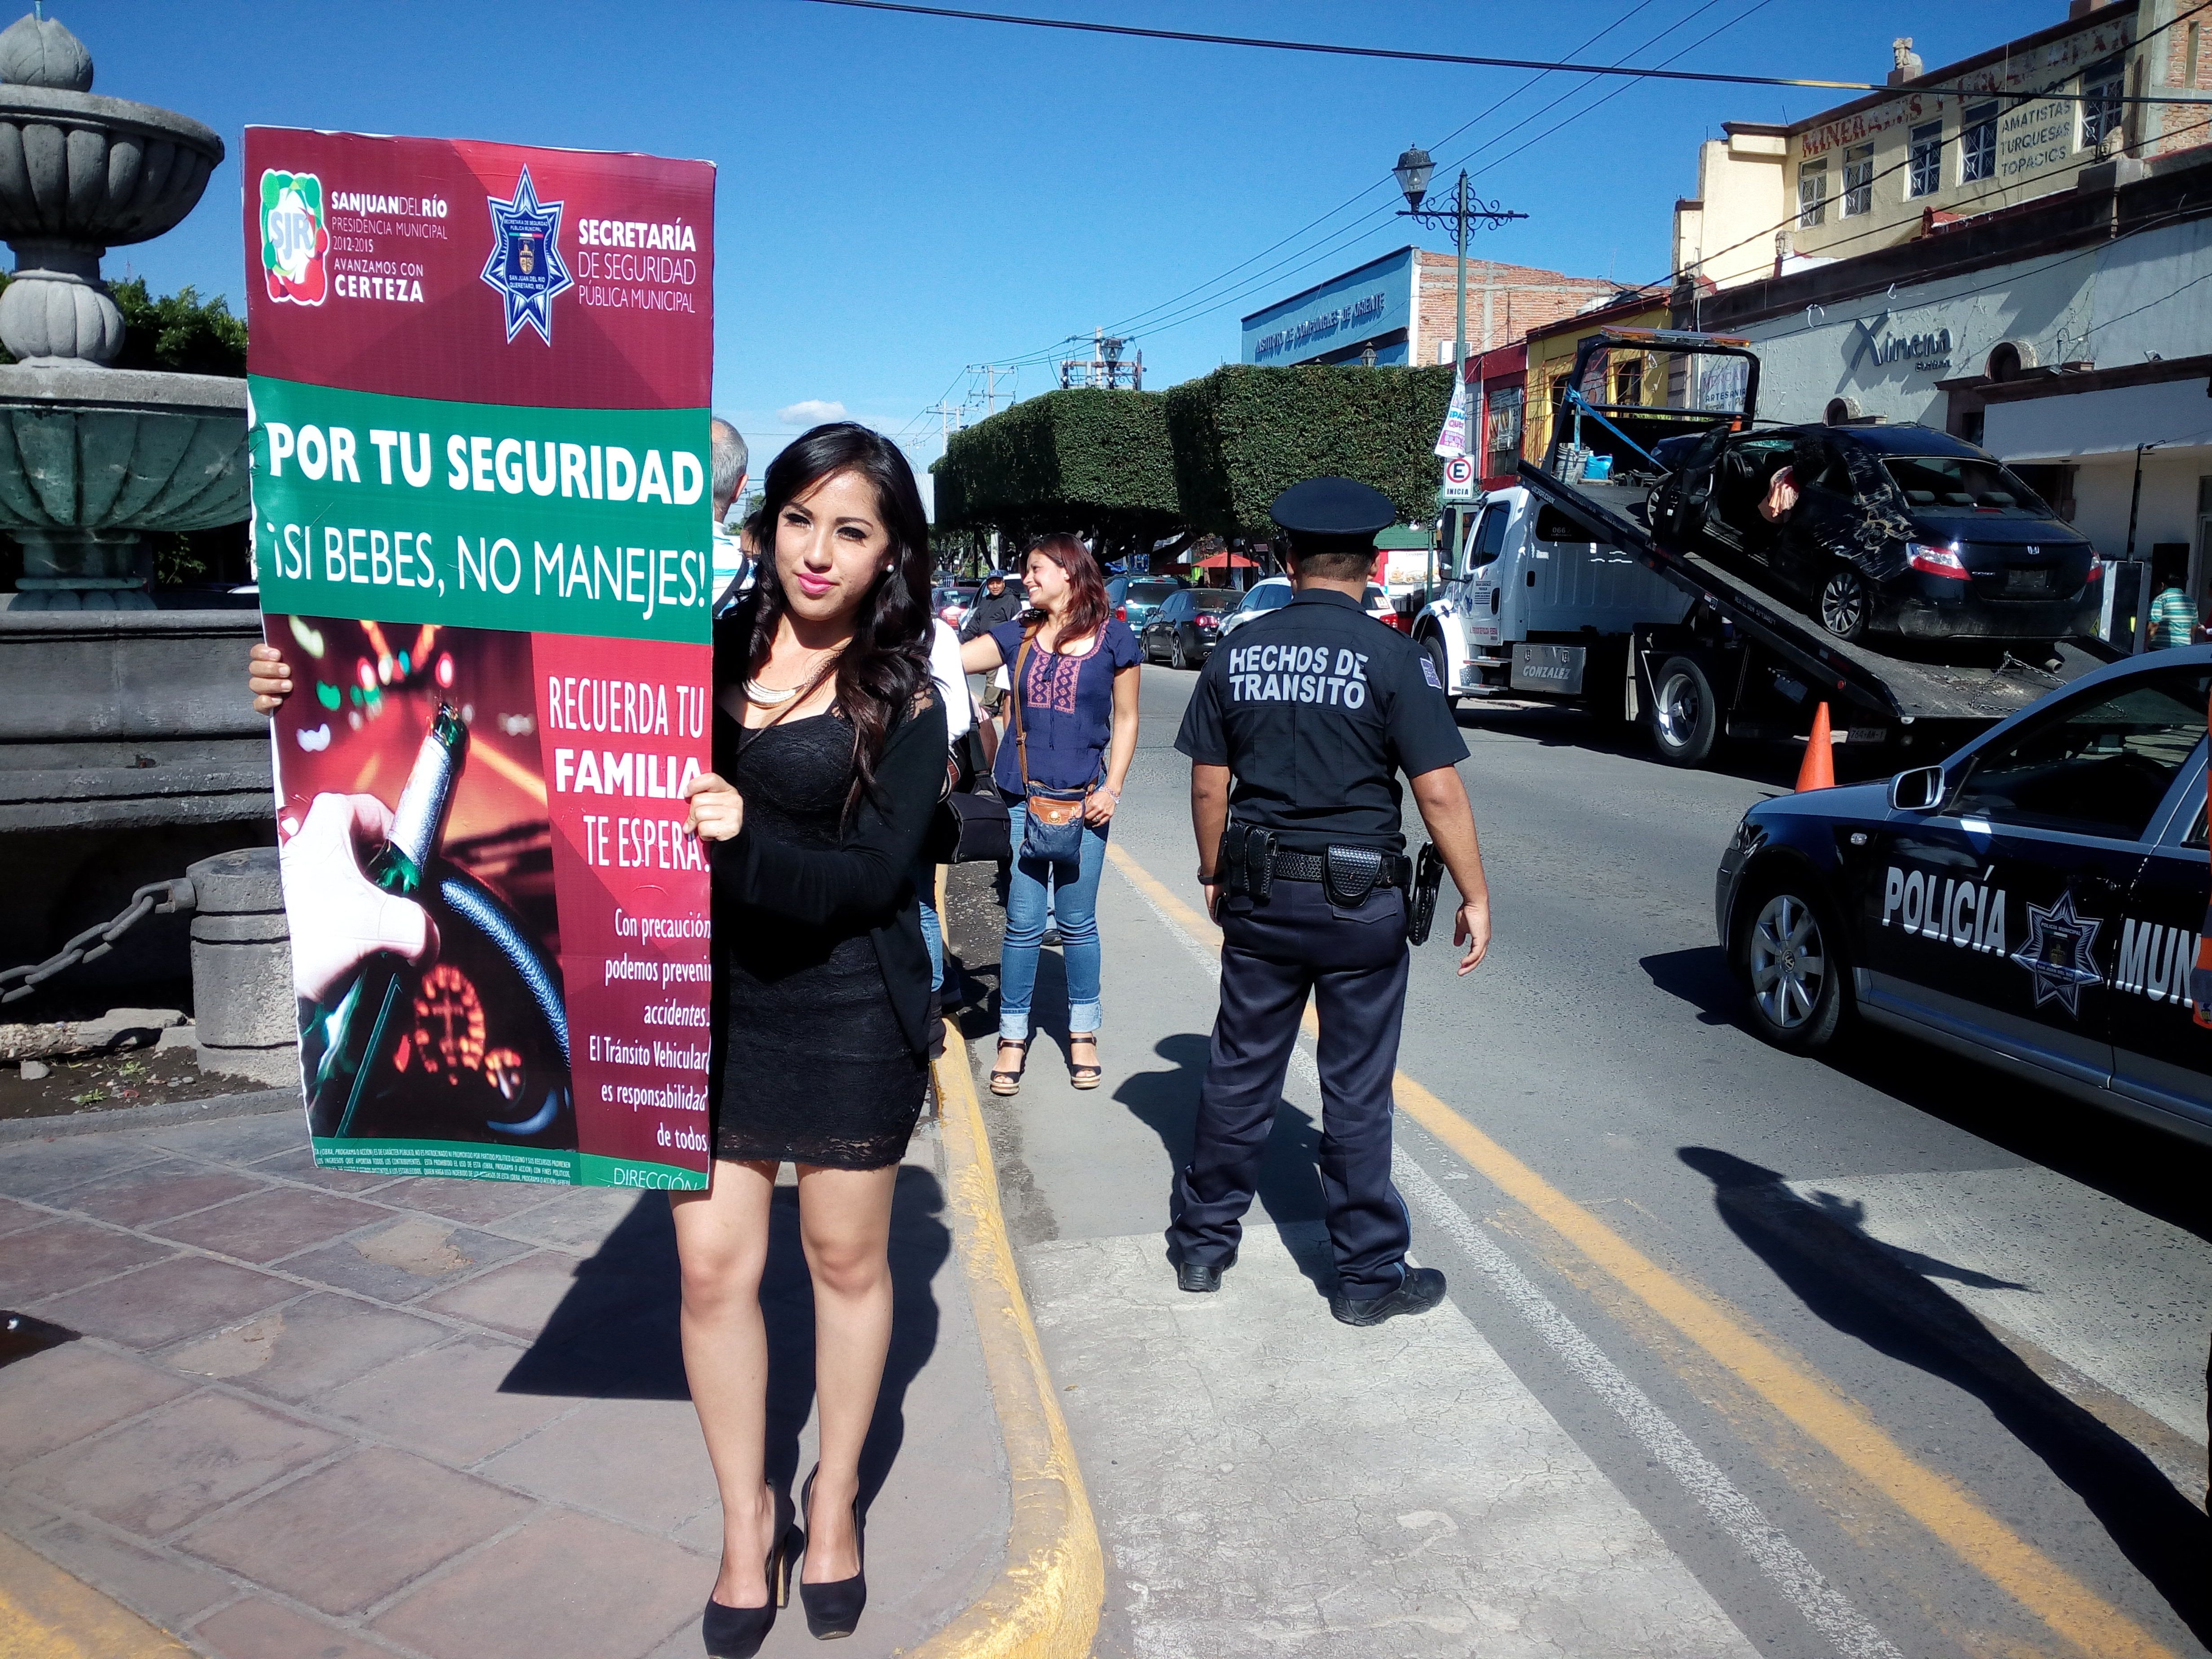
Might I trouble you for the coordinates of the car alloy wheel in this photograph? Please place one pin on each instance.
(1176, 655)
(1794, 957)
(1845, 605)
(1788, 962)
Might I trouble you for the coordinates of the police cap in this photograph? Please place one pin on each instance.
(1340, 511)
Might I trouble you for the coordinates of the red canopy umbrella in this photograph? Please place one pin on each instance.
(1224, 560)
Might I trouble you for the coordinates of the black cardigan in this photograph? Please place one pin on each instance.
(867, 881)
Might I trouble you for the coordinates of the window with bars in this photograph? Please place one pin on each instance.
(1859, 181)
(2101, 86)
(1924, 175)
(1812, 193)
(1628, 380)
(1504, 422)
(1978, 144)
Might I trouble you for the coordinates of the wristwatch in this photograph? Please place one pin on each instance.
(1206, 880)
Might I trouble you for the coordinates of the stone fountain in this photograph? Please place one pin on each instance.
(127, 749)
(91, 457)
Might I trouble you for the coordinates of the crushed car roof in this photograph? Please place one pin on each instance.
(1909, 439)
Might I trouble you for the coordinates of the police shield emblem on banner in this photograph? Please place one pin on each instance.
(525, 264)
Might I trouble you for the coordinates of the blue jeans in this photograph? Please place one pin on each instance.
(1071, 891)
(933, 935)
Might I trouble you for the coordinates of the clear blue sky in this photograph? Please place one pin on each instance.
(900, 197)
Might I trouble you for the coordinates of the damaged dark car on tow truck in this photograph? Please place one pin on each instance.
(1898, 530)
(2038, 900)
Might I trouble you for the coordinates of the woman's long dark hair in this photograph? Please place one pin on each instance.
(886, 668)
(1087, 610)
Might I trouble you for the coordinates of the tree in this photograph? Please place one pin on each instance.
(1243, 435)
(1085, 459)
(179, 332)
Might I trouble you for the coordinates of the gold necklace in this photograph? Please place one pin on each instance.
(770, 696)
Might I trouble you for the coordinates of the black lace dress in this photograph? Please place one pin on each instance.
(817, 1066)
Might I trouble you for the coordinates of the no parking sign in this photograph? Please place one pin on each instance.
(1459, 479)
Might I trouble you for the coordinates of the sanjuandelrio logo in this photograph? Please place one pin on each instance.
(294, 237)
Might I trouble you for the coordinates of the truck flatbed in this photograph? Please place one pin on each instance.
(1983, 684)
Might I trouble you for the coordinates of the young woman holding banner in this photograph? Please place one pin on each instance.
(829, 758)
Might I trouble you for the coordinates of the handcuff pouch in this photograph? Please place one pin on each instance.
(1349, 874)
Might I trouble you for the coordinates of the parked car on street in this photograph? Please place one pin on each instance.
(1184, 627)
(1271, 593)
(1274, 592)
(1896, 529)
(1135, 598)
(951, 601)
(2038, 900)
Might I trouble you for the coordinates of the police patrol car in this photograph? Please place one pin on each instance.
(2038, 900)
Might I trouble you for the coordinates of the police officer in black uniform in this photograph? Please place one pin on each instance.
(1299, 725)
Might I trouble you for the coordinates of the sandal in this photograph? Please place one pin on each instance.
(1008, 1083)
(1084, 1077)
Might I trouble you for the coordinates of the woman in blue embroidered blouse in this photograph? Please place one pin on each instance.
(1074, 709)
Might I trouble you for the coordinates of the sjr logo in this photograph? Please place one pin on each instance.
(295, 238)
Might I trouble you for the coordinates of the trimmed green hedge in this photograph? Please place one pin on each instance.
(1210, 454)
(1076, 459)
(1244, 434)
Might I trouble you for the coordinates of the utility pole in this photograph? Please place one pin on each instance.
(951, 418)
(1106, 366)
(990, 372)
(1414, 172)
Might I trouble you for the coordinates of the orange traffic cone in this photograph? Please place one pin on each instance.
(1819, 770)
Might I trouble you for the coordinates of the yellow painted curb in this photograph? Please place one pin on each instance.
(1045, 1603)
(46, 1614)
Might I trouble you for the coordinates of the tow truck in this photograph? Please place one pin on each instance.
(1694, 651)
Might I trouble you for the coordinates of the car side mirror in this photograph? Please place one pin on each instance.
(1920, 790)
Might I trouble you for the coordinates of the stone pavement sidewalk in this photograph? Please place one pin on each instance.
(321, 1413)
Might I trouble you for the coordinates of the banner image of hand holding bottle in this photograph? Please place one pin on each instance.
(479, 377)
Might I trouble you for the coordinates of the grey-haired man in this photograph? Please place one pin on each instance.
(727, 461)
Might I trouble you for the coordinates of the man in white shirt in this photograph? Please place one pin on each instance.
(729, 461)
(959, 717)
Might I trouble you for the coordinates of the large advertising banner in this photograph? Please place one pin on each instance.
(479, 376)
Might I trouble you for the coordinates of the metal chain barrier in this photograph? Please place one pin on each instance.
(156, 898)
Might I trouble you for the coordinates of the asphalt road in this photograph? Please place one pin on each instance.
(1966, 1386)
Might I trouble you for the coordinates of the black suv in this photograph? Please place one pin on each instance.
(1897, 529)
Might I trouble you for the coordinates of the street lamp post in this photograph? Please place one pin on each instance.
(1414, 172)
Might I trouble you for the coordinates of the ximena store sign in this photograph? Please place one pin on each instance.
(482, 533)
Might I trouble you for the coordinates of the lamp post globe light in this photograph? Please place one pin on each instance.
(1412, 170)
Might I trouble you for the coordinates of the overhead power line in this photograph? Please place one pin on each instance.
(1455, 59)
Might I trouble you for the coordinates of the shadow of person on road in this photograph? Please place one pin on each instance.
(1288, 1192)
(614, 1335)
(1699, 976)
(2145, 1168)
(1881, 1296)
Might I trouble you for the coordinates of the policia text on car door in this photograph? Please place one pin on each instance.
(2161, 1037)
(1999, 916)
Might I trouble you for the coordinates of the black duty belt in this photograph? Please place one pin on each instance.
(1252, 859)
(1394, 869)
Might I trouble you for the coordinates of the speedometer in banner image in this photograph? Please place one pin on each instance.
(415, 805)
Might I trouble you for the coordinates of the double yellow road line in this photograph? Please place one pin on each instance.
(1805, 1399)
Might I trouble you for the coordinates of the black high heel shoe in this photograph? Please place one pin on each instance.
(738, 1632)
(834, 1609)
